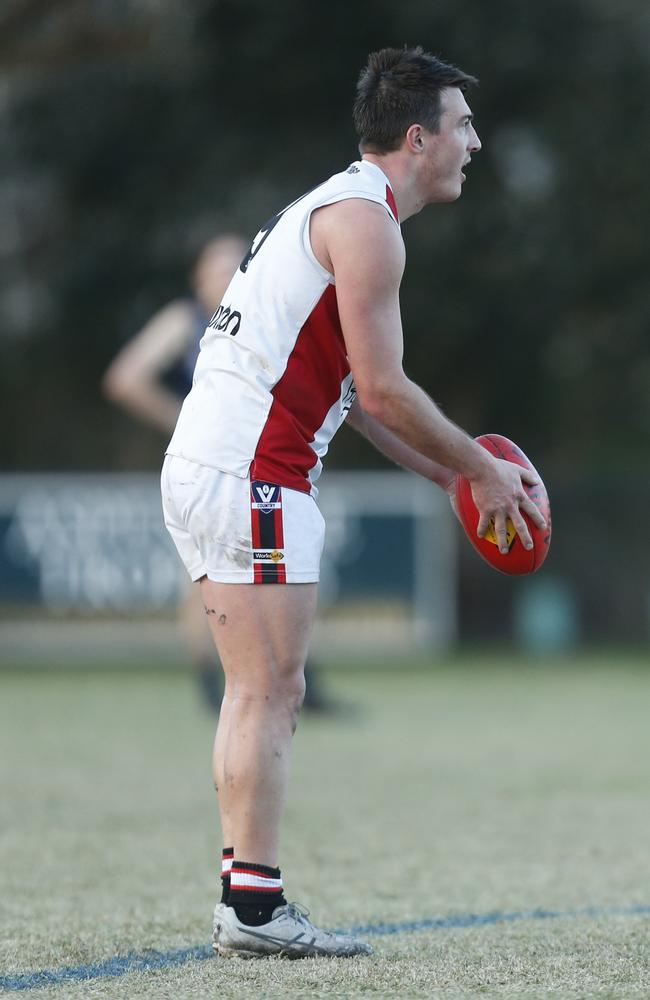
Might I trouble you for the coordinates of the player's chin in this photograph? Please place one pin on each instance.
(452, 193)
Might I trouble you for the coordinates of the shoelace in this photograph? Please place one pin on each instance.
(298, 912)
(301, 914)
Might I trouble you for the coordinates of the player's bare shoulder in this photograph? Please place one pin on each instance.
(357, 230)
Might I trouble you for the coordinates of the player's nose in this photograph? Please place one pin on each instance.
(474, 142)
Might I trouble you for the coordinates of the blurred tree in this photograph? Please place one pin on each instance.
(136, 130)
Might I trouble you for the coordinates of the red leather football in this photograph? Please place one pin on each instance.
(518, 560)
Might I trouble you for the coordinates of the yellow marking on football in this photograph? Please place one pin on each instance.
(511, 534)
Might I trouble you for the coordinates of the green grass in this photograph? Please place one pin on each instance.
(473, 787)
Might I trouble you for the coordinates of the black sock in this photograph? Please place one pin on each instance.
(255, 892)
(226, 864)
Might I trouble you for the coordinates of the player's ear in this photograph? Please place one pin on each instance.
(414, 140)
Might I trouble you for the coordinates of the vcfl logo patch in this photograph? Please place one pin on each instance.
(265, 497)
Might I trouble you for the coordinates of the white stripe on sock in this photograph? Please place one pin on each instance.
(246, 880)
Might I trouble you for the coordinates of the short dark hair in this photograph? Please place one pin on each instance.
(397, 88)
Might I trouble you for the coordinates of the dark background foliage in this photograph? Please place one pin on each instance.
(133, 130)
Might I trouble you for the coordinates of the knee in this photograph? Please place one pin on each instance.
(290, 688)
(281, 684)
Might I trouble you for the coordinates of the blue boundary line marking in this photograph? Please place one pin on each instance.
(123, 964)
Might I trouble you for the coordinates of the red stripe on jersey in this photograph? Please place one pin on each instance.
(308, 389)
(279, 531)
(256, 538)
(281, 568)
(390, 198)
(256, 528)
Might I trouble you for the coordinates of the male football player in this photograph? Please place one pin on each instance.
(308, 334)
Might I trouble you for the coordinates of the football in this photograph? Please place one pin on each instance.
(517, 561)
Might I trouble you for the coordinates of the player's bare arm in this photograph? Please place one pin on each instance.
(397, 451)
(133, 379)
(362, 247)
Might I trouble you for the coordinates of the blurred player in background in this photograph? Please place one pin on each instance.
(308, 334)
(149, 378)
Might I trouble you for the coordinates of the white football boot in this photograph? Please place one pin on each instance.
(216, 922)
(289, 934)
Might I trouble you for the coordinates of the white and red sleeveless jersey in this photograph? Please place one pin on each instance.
(272, 383)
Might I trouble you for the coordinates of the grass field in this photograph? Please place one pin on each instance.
(503, 805)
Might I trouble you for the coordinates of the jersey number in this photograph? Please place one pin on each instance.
(266, 231)
(260, 240)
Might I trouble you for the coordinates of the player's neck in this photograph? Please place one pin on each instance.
(402, 182)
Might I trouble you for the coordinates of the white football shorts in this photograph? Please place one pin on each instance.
(237, 531)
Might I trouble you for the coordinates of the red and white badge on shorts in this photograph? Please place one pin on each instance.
(267, 533)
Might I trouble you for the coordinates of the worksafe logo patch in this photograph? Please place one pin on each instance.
(268, 555)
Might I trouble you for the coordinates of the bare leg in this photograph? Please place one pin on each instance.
(262, 634)
(194, 627)
(200, 646)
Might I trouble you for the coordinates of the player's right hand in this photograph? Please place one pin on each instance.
(499, 495)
